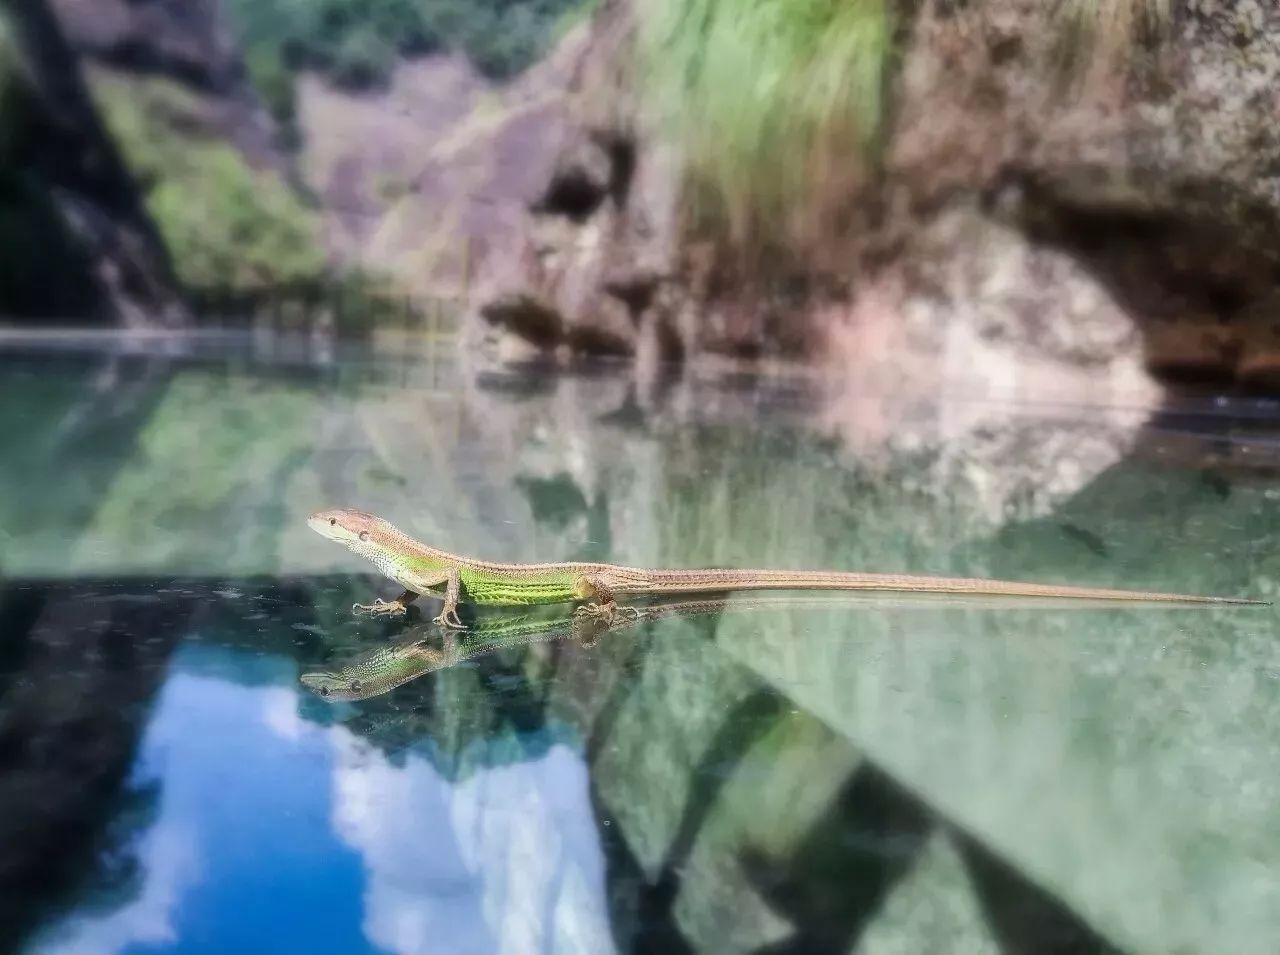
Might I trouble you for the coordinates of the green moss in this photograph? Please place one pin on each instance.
(224, 223)
(274, 83)
(778, 104)
(774, 103)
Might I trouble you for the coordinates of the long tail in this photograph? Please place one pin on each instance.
(707, 581)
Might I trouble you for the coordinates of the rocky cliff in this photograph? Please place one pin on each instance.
(77, 242)
(429, 178)
(137, 159)
(1028, 222)
(190, 42)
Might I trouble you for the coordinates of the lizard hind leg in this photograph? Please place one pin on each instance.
(448, 617)
(605, 606)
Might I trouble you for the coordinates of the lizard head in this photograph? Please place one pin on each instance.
(349, 527)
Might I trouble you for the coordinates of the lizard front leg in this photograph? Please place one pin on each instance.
(384, 608)
(448, 617)
(604, 606)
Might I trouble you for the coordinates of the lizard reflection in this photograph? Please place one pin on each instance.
(420, 652)
(417, 654)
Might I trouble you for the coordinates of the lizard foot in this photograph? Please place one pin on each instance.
(591, 611)
(449, 618)
(609, 612)
(380, 608)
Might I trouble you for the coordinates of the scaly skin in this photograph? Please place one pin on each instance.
(421, 569)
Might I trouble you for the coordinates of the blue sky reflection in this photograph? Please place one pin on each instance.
(277, 831)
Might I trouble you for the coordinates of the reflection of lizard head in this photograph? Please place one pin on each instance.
(334, 686)
(374, 674)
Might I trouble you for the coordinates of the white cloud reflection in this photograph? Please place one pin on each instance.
(280, 714)
(169, 857)
(507, 861)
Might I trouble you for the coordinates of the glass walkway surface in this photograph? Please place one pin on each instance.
(889, 775)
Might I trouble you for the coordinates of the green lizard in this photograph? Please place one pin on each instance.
(420, 569)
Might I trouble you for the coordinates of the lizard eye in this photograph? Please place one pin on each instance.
(324, 691)
(333, 521)
(356, 685)
(364, 535)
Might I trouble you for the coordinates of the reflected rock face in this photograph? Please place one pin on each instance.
(84, 668)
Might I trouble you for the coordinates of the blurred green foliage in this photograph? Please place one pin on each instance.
(236, 227)
(225, 224)
(355, 43)
(274, 83)
(778, 105)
